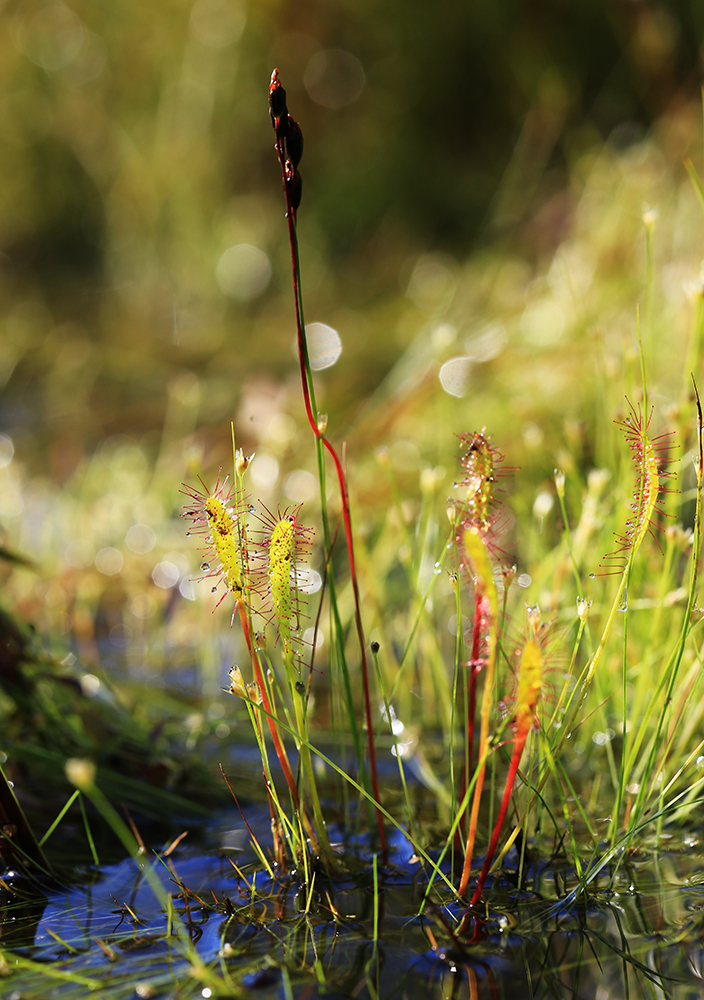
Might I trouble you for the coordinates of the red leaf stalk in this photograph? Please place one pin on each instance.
(276, 739)
(474, 667)
(529, 687)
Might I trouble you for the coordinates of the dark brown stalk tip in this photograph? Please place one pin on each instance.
(277, 103)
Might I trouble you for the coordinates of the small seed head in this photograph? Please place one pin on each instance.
(560, 483)
(241, 462)
(650, 216)
(533, 613)
(237, 685)
(583, 608)
(254, 693)
(80, 772)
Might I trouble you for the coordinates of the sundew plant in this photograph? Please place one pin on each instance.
(507, 712)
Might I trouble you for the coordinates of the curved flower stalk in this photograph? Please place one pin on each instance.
(289, 148)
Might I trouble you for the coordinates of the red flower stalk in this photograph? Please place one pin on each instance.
(529, 688)
(289, 147)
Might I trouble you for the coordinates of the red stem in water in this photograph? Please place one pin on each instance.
(474, 667)
(519, 743)
(266, 705)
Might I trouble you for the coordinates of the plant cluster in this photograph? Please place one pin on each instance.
(500, 695)
(574, 737)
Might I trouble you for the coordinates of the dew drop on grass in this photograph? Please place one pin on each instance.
(623, 601)
(205, 566)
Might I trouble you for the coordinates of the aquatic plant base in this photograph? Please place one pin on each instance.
(361, 933)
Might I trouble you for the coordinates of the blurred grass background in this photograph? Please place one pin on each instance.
(474, 176)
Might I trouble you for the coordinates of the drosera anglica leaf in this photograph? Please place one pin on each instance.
(650, 457)
(213, 515)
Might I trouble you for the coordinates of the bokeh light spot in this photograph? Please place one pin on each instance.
(7, 450)
(165, 575)
(334, 78)
(217, 23)
(543, 323)
(433, 282)
(264, 470)
(243, 272)
(140, 538)
(50, 37)
(301, 486)
(455, 375)
(109, 561)
(324, 346)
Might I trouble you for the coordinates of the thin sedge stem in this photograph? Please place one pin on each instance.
(309, 402)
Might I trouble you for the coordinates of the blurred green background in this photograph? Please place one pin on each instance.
(135, 150)
(474, 176)
(471, 226)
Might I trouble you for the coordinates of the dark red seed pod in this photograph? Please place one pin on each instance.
(295, 187)
(294, 141)
(277, 101)
(281, 127)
